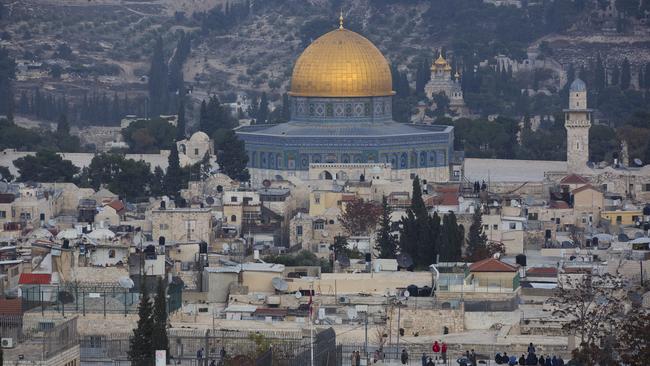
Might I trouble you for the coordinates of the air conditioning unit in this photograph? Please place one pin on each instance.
(7, 343)
(344, 300)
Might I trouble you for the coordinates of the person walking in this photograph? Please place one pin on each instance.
(541, 360)
(472, 358)
(522, 360)
(443, 352)
(531, 348)
(424, 359)
(404, 357)
(436, 350)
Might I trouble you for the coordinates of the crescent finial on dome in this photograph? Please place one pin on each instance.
(341, 20)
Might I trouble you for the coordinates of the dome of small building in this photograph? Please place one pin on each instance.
(199, 136)
(341, 63)
(101, 234)
(578, 86)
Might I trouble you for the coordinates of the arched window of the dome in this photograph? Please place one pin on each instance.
(423, 159)
(263, 158)
(304, 161)
(278, 159)
(272, 160)
(414, 159)
(432, 158)
(254, 159)
(403, 162)
(393, 161)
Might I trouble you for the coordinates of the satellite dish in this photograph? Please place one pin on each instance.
(638, 162)
(266, 183)
(126, 282)
(404, 260)
(298, 295)
(209, 200)
(406, 294)
(279, 284)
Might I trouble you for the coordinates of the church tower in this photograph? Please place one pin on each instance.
(577, 120)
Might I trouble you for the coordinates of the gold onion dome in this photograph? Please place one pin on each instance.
(341, 63)
(441, 61)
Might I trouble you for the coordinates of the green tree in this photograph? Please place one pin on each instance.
(232, 157)
(181, 123)
(158, 80)
(340, 246)
(476, 238)
(149, 136)
(451, 239)
(174, 174)
(386, 244)
(140, 346)
(62, 126)
(158, 182)
(5, 175)
(7, 77)
(419, 232)
(263, 110)
(45, 166)
(127, 178)
(600, 78)
(159, 338)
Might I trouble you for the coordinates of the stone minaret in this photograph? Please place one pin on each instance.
(577, 120)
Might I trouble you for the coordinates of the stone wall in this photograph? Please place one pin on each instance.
(427, 322)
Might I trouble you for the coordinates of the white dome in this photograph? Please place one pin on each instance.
(101, 234)
(40, 233)
(199, 137)
(68, 234)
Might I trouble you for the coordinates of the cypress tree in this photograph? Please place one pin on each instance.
(616, 75)
(158, 80)
(180, 124)
(451, 239)
(476, 238)
(159, 339)
(626, 74)
(62, 126)
(140, 345)
(386, 244)
(203, 117)
(263, 111)
(600, 81)
(173, 177)
(232, 157)
(641, 79)
(286, 108)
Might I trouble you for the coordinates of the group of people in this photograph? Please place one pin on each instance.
(439, 350)
(355, 358)
(530, 359)
(201, 356)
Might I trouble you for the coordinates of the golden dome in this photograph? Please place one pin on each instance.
(341, 63)
(441, 61)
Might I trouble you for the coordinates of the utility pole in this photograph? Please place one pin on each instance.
(365, 346)
(399, 314)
